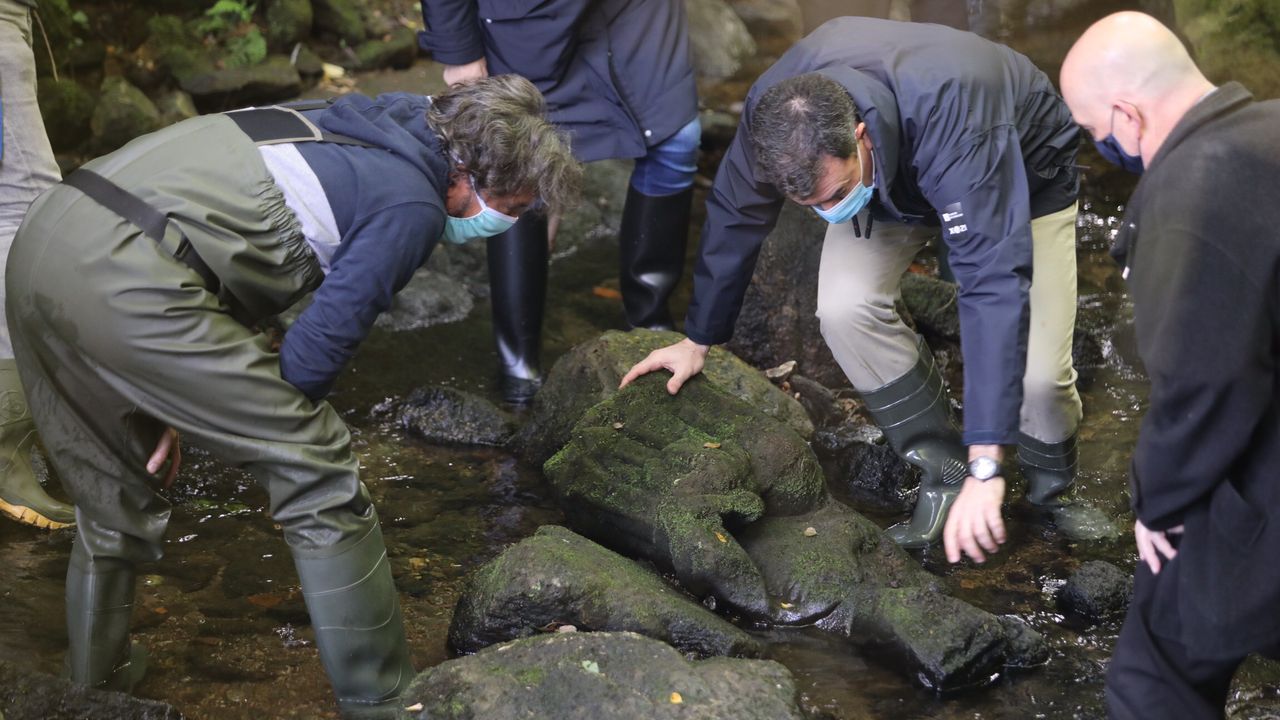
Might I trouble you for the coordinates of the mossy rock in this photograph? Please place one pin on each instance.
(397, 50)
(448, 416)
(25, 693)
(669, 478)
(215, 90)
(560, 577)
(67, 109)
(123, 113)
(340, 18)
(590, 373)
(586, 676)
(288, 21)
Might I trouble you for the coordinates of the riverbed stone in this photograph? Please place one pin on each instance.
(585, 676)
(591, 371)
(123, 113)
(718, 38)
(28, 694)
(397, 49)
(430, 298)
(288, 21)
(1097, 591)
(340, 18)
(558, 577)
(668, 478)
(448, 416)
(215, 90)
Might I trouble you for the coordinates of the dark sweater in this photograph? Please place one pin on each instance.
(1201, 242)
(389, 207)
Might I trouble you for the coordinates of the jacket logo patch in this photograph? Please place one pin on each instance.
(953, 220)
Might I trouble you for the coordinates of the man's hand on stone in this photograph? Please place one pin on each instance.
(454, 74)
(683, 359)
(975, 523)
(1154, 543)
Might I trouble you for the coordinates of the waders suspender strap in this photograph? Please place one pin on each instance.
(285, 124)
(150, 221)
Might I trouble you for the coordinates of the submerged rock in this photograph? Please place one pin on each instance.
(586, 676)
(429, 299)
(558, 577)
(590, 373)
(445, 415)
(1097, 591)
(668, 478)
(28, 694)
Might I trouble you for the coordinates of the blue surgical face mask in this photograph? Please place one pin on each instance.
(851, 204)
(1111, 151)
(484, 224)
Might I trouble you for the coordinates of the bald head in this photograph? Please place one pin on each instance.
(1129, 68)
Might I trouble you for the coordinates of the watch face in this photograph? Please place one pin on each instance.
(984, 468)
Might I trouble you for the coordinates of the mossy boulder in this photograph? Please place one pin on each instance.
(559, 577)
(123, 113)
(341, 18)
(670, 478)
(215, 90)
(397, 49)
(586, 676)
(590, 373)
(288, 21)
(67, 109)
(718, 38)
(1098, 591)
(175, 106)
(444, 415)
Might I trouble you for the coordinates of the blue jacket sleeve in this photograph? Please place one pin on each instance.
(452, 31)
(980, 193)
(384, 250)
(741, 210)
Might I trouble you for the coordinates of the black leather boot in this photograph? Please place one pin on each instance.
(913, 413)
(99, 607)
(355, 613)
(518, 292)
(654, 232)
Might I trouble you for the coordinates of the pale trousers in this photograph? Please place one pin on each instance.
(27, 167)
(859, 281)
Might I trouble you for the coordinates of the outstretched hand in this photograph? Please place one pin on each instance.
(683, 359)
(974, 523)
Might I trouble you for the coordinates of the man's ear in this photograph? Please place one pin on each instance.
(860, 134)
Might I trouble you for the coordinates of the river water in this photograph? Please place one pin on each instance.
(226, 628)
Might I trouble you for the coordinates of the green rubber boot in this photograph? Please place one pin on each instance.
(21, 496)
(99, 606)
(913, 413)
(1050, 471)
(356, 616)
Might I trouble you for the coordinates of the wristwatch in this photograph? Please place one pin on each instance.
(984, 467)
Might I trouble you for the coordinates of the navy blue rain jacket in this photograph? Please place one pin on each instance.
(389, 205)
(966, 133)
(617, 74)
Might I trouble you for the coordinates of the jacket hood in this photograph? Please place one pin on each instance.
(394, 121)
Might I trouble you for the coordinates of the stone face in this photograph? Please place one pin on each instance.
(1097, 591)
(718, 37)
(27, 694)
(122, 114)
(586, 676)
(214, 90)
(429, 299)
(559, 577)
(444, 415)
(669, 478)
(590, 373)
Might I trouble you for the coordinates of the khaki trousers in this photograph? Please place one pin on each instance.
(859, 280)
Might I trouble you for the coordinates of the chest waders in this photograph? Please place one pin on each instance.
(118, 329)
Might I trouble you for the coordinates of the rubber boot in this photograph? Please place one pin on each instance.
(652, 239)
(518, 285)
(99, 607)
(1050, 471)
(913, 413)
(355, 613)
(21, 496)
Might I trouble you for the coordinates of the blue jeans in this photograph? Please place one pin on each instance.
(669, 166)
(27, 166)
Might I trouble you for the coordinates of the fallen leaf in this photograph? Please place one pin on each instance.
(414, 707)
(786, 605)
(607, 293)
(676, 698)
(810, 532)
(720, 536)
(567, 628)
(618, 426)
(161, 611)
(781, 371)
(711, 445)
(591, 667)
